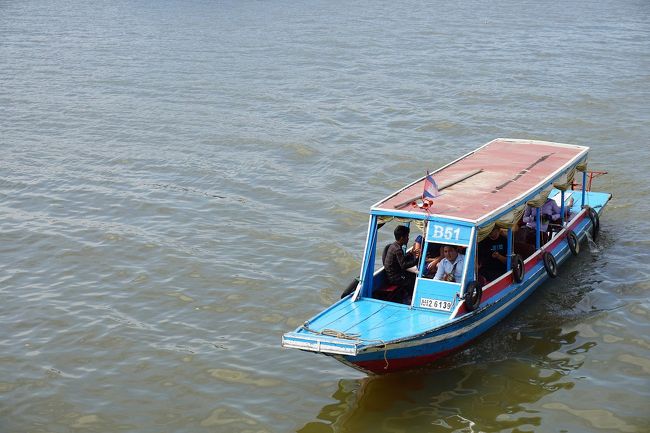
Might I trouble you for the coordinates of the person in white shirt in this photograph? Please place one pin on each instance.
(451, 267)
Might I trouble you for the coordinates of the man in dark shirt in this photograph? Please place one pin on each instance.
(492, 255)
(397, 261)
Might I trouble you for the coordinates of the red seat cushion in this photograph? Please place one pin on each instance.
(386, 293)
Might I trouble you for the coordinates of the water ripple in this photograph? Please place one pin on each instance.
(181, 183)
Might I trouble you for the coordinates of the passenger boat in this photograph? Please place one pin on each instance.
(489, 187)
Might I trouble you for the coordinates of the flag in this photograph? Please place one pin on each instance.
(430, 188)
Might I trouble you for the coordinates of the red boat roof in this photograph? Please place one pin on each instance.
(489, 179)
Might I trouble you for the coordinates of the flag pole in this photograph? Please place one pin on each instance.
(442, 186)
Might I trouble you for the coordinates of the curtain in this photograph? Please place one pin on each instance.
(381, 220)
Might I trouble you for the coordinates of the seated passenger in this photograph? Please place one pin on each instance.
(434, 256)
(397, 261)
(417, 245)
(550, 211)
(451, 267)
(492, 255)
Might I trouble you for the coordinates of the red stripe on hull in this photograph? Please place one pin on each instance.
(383, 366)
(533, 260)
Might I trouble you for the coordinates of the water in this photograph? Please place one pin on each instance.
(182, 182)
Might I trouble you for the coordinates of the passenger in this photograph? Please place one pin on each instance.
(492, 255)
(550, 211)
(434, 256)
(397, 261)
(451, 267)
(417, 245)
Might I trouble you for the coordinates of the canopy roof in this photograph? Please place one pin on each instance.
(489, 180)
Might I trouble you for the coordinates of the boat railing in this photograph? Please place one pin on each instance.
(591, 175)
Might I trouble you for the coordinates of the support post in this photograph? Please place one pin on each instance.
(510, 250)
(538, 228)
(423, 257)
(584, 187)
(368, 265)
(562, 209)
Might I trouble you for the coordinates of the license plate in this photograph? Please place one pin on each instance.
(435, 304)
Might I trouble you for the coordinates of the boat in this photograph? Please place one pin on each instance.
(459, 205)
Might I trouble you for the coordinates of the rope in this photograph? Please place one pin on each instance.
(339, 334)
(331, 333)
(385, 356)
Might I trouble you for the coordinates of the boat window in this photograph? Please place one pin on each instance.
(447, 243)
(492, 256)
(551, 222)
(434, 254)
(382, 288)
(385, 237)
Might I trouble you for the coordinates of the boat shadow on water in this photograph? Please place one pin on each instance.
(494, 384)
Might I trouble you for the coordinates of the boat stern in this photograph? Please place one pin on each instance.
(321, 343)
